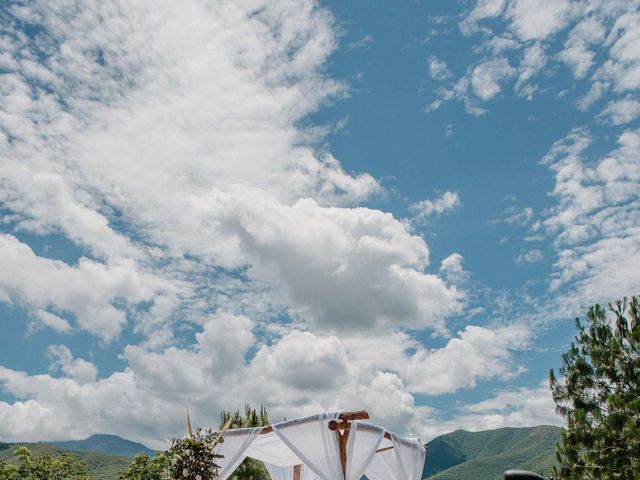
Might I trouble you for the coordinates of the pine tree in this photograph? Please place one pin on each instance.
(598, 393)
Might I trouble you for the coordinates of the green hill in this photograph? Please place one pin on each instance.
(463, 455)
(102, 466)
(106, 444)
(460, 455)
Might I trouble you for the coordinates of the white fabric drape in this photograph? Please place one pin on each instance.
(270, 449)
(277, 472)
(234, 448)
(314, 444)
(405, 461)
(364, 439)
(411, 454)
(309, 442)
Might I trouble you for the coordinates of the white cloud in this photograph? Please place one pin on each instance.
(89, 290)
(531, 256)
(487, 78)
(300, 373)
(482, 9)
(619, 112)
(451, 268)
(521, 407)
(347, 269)
(595, 222)
(422, 210)
(53, 321)
(364, 42)
(598, 42)
(533, 60)
(77, 369)
(185, 155)
(538, 19)
(477, 354)
(438, 69)
(518, 216)
(576, 52)
(165, 142)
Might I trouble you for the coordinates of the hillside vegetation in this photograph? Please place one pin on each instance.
(106, 444)
(463, 455)
(101, 466)
(460, 455)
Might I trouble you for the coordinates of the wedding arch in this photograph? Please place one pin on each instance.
(328, 446)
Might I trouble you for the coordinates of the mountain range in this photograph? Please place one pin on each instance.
(106, 444)
(459, 455)
(485, 455)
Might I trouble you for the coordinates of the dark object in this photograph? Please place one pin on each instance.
(521, 475)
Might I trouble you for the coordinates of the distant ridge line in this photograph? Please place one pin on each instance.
(103, 443)
(464, 455)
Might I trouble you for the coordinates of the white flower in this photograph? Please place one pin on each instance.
(185, 473)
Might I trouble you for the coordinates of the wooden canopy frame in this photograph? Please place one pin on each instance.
(342, 427)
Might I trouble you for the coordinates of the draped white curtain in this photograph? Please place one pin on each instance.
(270, 449)
(277, 472)
(309, 442)
(314, 444)
(411, 454)
(362, 444)
(234, 448)
(405, 461)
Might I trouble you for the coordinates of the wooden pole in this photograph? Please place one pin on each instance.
(342, 443)
(384, 449)
(296, 472)
(333, 424)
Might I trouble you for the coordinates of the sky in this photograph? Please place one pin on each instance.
(313, 206)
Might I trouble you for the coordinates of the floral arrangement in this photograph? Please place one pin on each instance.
(193, 457)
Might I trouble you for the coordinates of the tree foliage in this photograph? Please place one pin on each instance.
(598, 392)
(145, 468)
(43, 467)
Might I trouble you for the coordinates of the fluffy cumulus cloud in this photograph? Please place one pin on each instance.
(596, 40)
(595, 222)
(520, 407)
(620, 112)
(165, 142)
(300, 373)
(486, 78)
(78, 369)
(88, 290)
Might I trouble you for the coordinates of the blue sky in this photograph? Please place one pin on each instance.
(397, 206)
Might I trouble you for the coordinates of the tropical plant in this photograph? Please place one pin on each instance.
(598, 392)
(250, 468)
(145, 468)
(43, 467)
(251, 418)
